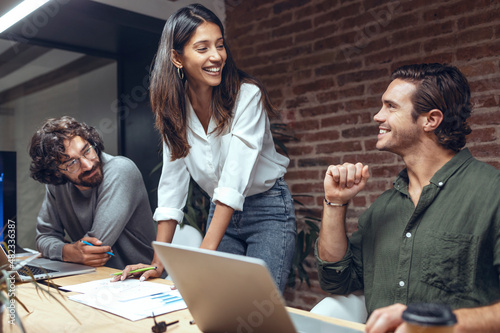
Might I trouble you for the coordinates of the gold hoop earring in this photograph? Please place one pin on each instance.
(180, 73)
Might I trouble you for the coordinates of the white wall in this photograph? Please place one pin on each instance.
(89, 98)
(7, 130)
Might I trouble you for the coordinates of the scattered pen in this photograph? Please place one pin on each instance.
(136, 270)
(87, 243)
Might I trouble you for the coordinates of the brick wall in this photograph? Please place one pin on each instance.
(326, 65)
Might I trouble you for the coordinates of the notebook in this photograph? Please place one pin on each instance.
(231, 293)
(40, 268)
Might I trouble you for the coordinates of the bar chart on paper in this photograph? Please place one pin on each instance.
(156, 304)
(130, 299)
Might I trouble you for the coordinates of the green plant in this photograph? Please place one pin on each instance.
(9, 298)
(197, 208)
(280, 136)
(304, 244)
(197, 204)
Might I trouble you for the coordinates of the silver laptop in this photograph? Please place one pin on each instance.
(31, 267)
(231, 293)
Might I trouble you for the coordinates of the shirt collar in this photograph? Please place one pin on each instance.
(442, 175)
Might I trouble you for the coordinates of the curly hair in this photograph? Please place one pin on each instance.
(47, 147)
(442, 87)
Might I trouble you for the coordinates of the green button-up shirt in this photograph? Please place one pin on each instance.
(444, 250)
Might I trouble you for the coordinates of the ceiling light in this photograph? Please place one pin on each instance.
(19, 12)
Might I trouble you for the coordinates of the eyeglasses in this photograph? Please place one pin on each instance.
(75, 164)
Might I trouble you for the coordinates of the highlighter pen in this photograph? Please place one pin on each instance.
(87, 243)
(136, 270)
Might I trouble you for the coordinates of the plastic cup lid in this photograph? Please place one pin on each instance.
(429, 314)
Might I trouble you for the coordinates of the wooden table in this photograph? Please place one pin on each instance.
(47, 315)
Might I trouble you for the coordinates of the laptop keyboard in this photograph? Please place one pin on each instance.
(28, 270)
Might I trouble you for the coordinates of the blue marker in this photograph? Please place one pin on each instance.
(87, 243)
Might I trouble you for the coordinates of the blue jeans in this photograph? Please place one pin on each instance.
(265, 229)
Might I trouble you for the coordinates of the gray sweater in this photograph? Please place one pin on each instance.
(117, 212)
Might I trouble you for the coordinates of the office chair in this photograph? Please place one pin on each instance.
(348, 307)
(188, 236)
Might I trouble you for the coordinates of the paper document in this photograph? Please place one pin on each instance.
(130, 299)
(28, 252)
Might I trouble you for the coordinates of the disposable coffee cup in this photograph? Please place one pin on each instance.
(429, 318)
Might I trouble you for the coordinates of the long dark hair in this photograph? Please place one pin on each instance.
(445, 88)
(167, 92)
(47, 147)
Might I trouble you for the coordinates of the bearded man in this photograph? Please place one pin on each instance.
(97, 200)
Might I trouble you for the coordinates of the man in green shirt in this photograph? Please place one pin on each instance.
(435, 236)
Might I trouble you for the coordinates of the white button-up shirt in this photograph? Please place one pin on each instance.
(238, 163)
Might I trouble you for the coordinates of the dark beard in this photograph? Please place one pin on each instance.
(95, 181)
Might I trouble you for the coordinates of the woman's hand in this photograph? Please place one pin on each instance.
(153, 273)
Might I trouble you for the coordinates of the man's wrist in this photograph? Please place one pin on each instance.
(66, 252)
(334, 204)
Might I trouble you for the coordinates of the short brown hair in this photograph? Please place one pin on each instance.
(442, 87)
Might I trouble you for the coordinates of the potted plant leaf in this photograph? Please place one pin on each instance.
(9, 300)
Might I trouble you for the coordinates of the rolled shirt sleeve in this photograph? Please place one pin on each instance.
(337, 277)
(172, 189)
(346, 275)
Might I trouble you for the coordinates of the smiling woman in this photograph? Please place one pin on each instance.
(202, 61)
(214, 121)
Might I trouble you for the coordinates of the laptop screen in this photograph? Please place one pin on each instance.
(230, 293)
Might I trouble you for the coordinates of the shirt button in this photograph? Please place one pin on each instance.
(408, 234)
(440, 184)
(401, 283)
